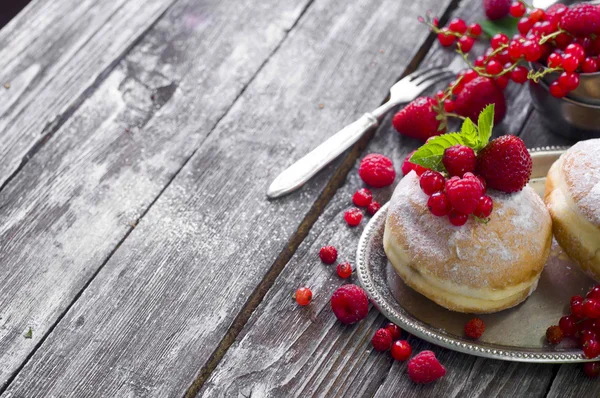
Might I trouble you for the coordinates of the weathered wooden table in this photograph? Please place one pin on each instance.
(138, 253)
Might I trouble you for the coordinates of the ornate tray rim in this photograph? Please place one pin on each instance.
(438, 337)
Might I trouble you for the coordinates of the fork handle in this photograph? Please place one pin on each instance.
(297, 174)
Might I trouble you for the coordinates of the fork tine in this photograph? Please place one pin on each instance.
(423, 86)
(430, 75)
(420, 72)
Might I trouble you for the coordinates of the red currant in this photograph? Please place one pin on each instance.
(591, 349)
(394, 330)
(431, 182)
(328, 254)
(525, 24)
(475, 29)
(589, 65)
(531, 50)
(591, 369)
(586, 335)
(446, 38)
(576, 50)
(499, 40)
(569, 80)
(373, 208)
(438, 204)
(465, 43)
(519, 74)
(591, 308)
(303, 296)
(439, 95)
(502, 81)
(362, 197)
(468, 75)
(479, 61)
(514, 50)
(537, 15)
(344, 270)
(493, 67)
(577, 307)
(575, 298)
(457, 25)
(449, 105)
(484, 207)
(554, 60)
(353, 216)
(594, 293)
(457, 219)
(563, 40)
(401, 350)
(570, 62)
(568, 326)
(557, 90)
(517, 9)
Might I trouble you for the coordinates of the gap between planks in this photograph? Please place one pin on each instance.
(336, 181)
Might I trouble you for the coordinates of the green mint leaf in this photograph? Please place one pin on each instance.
(469, 133)
(485, 124)
(29, 333)
(507, 25)
(430, 154)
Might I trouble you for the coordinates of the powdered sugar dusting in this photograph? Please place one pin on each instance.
(581, 168)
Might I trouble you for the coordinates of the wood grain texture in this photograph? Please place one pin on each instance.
(288, 350)
(51, 55)
(571, 382)
(159, 307)
(66, 211)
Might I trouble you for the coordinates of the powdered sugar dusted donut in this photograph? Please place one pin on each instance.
(573, 199)
(477, 267)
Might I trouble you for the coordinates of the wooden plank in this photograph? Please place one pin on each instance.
(571, 382)
(51, 54)
(160, 306)
(304, 351)
(63, 215)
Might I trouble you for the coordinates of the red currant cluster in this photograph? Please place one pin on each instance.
(583, 323)
(328, 255)
(458, 32)
(388, 338)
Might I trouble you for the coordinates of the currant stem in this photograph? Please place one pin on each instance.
(456, 116)
(551, 36)
(537, 75)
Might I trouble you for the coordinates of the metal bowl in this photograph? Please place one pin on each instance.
(565, 116)
(588, 91)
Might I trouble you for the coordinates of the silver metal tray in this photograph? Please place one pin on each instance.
(516, 334)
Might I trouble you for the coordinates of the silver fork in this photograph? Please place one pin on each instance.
(403, 91)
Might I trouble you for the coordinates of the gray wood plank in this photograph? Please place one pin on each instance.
(284, 348)
(63, 215)
(571, 382)
(52, 54)
(160, 306)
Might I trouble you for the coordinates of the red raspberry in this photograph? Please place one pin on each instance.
(438, 204)
(464, 194)
(474, 328)
(505, 164)
(353, 216)
(459, 159)
(568, 326)
(484, 207)
(362, 197)
(496, 9)
(594, 293)
(424, 368)
(344, 270)
(328, 254)
(457, 219)
(555, 12)
(407, 166)
(401, 350)
(591, 349)
(382, 340)
(377, 170)
(373, 208)
(394, 330)
(476, 95)
(418, 119)
(591, 369)
(350, 304)
(591, 308)
(581, 19)
(432, 182)
(303, 296)
(554, 334)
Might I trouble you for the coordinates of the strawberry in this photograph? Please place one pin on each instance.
(419, 119)
(476, 95)
(505, 164)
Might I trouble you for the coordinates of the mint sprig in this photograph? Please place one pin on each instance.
(430, 155)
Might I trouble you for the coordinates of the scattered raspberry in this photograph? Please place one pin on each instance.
(484, 207)
(382, 340)
(401, 350)
(424, 368)
(505, 164)
(394, 330)
(373, 208)
(350, 304)
(464, 194)
(459, 159)
(496, 9)
(344, 270)
(474, 328)
(591, 349)
(377, 170)
(362, 197)
(591, 369)
(554, 335)
(407, 166)
(438, 204)
(476, 95)
(581, 19)
(432, 182)
(568, 326)
(303, 296)
(418, 119)
(353, 216)
(328, 254)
